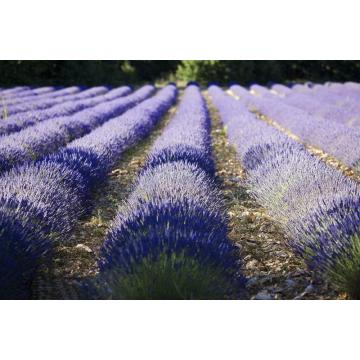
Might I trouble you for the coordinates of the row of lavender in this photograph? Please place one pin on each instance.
(13, 91)
(38, 94)
(47, 136)
(317, 206)
(339, 95)
(333, 137)
(85, 99)
(18, 92)
(168, 241)
(41, 201)
(45, 101)
(339, 104)
(17, 95)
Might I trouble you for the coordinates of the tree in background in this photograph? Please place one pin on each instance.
(83, 72)
(67, 72)
(263, 72)
(151, 70)
(229, 71)
(118, 72)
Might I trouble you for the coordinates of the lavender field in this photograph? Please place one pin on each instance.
(180, 192)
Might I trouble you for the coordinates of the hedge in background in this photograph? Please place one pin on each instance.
(119, 72)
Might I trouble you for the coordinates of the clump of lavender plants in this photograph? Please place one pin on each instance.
(48, 136)
(18, 122)
(316, 205)
(40, 202)
(168, 240)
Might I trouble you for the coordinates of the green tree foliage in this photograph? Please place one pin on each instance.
(117, 72)
(66, 72)
(263, 72)
(224, 71)
(151, 70)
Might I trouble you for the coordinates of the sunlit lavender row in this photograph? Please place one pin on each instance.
(168, 240)
(316, 205)
(311, 120)
(40, 202)
(49, 135)
(297, 146)
(86, 99)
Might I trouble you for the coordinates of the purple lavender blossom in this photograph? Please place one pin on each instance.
(316, 105)
(334, 138)
(56, 97)
(110, 140)
(40, 202)
(174, 219)
(259, 90)
(47, 136)
(187, 135)
(22, 120)
(300, 88)
(29, 95)
(316, 205)
(15, 91)
(343, 100)
(281, 89)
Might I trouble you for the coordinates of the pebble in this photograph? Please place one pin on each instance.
(251, 264)
(263, 295)
(248, 217)
(84, 248)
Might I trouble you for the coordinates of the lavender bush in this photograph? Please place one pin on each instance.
(22, 120)
(334, 138)
(335, 94)
(168, 240)
(329, 111)
(280, 89)
(15, 91)
(187, 135)
(259, 90)
(47, 136)
(27, 95)
(56, 98)
(315, 204)
(30, 95)
(40, 202)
